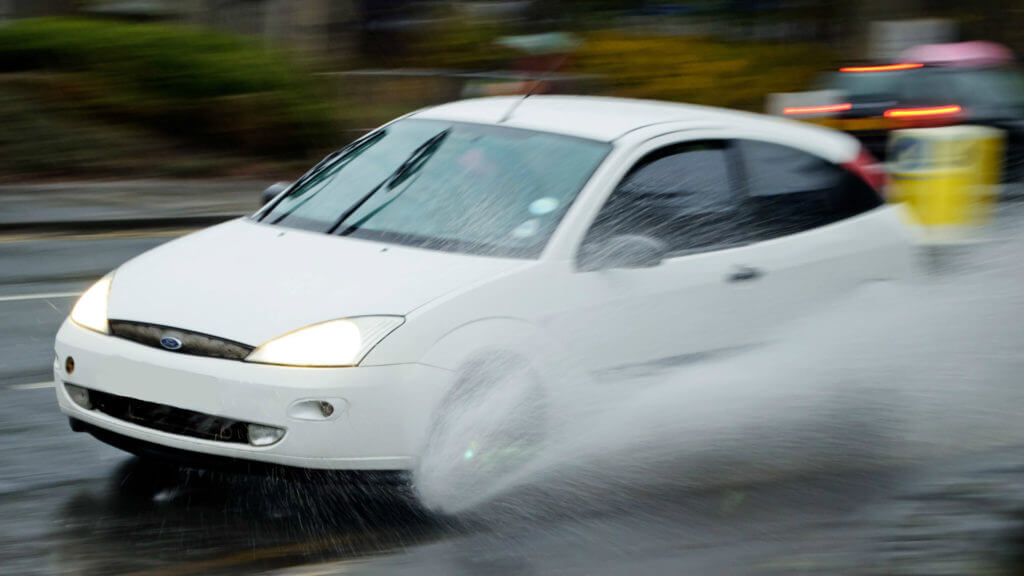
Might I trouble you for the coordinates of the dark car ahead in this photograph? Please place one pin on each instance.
(878, 99)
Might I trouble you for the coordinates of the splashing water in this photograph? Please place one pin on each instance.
(890, 373)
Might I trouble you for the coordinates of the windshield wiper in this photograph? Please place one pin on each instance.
(405, 169)
(336, 157)
(405, 178)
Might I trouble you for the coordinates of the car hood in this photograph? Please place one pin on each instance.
(251, 282)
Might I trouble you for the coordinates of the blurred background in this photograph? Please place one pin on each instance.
(259, 88)
(125, 123)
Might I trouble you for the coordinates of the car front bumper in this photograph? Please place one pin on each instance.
(380, 419)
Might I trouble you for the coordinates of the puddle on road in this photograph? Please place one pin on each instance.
(890, 374)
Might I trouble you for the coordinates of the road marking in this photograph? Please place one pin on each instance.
(47, 296)
(324, 569)
(32, 386)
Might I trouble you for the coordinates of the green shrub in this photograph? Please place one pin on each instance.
(49, 136)
(188, 81)
(459, 41)
(698, 70)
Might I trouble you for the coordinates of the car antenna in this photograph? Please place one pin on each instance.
(540, 79)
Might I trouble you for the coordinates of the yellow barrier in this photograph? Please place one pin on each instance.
(949, 177)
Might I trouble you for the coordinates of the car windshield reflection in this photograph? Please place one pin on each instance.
(448, 186)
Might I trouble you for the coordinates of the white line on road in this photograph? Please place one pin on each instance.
(33, 386)
(39, 296)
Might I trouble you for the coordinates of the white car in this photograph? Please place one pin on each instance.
(567, 237)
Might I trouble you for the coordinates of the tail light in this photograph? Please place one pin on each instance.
(931, 111)
(882, 68)
(817, 109)
(868, 169)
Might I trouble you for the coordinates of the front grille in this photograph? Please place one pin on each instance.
(170, 419)
(193, 343)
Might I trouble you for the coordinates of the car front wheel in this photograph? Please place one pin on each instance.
(487, 431)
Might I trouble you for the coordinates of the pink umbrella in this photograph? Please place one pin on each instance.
(976, 53)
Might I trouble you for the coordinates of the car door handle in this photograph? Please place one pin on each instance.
(743, 273)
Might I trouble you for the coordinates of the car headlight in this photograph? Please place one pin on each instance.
(335, 343)
(91, 309)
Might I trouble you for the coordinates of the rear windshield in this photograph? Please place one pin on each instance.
(995, 86)
(1002, 86)
(864, 86)
(456, 187)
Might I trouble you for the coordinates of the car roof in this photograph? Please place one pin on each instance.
(975, 53)
(608, 119)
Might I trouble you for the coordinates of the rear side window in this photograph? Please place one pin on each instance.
(790, 191)
(682, 195)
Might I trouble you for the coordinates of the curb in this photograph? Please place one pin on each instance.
(119, 224)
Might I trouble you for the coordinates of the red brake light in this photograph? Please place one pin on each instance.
(817, 109)
(882, 68)
(919, 112)
(869, 170)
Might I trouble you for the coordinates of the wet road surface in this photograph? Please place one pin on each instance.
(72, 505)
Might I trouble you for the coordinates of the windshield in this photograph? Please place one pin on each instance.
(446, 186)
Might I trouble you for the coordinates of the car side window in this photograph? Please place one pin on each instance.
(681, 195)
(790, 191)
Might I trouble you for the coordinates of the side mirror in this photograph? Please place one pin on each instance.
(625, 251)
(272, 191)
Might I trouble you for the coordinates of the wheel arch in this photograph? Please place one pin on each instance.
(492, 338)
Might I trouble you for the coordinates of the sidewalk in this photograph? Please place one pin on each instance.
(117, 205)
